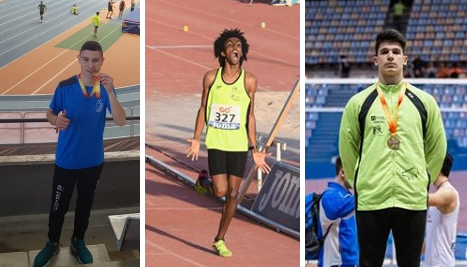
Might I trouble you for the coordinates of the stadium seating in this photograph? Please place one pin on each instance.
(322, 128)
(436, 30)
(335, 27)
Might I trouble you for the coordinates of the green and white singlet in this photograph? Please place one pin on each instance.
(227, 114)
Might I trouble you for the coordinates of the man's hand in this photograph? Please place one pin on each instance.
(193, 150)
(260, 160)
(61, 122)
(107, 82)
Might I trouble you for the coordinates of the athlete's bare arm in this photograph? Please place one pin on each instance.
(444, 199)
(193, 150)
(258, 157)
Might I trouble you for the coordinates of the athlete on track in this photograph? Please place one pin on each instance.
(227, 109)
(42, 9)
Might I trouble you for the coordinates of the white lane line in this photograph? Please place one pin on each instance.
(182, 59)
(235, 21)
(51, 8)
(38, 89)
(179, 46)
(33, 28)
(200, 208)
(210, 38)
(194, 63)
(40, 46)
(177, 255)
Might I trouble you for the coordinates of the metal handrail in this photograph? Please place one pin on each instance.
(23, 120)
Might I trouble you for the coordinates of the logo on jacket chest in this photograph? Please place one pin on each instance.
(99, 105)
(410, 174)
(377, 124)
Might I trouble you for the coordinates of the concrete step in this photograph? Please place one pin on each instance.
(126, 230)
(14, 259)
(66, 257)
(125, 263)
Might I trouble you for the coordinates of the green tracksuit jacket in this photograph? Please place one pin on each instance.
(382, 177)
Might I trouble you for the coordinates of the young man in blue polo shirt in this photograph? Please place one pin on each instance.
(78, 110)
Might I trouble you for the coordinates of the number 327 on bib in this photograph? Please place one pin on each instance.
(224, 117)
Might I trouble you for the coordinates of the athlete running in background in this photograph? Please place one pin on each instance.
(110, 8)
(121, 7)
(42, 9)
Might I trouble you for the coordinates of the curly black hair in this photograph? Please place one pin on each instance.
(223, 37)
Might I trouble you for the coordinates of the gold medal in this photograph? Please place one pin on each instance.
(394, 142)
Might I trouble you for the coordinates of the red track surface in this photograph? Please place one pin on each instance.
(274, 56)
(181, 225)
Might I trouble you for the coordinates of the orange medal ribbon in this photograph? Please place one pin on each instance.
(392, 123)
(96, 89)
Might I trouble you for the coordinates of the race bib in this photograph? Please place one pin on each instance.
(224, 117)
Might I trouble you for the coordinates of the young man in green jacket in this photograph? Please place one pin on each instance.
(392, 144)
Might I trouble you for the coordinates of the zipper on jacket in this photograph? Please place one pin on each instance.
(393, 152)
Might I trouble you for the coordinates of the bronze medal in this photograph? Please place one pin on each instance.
(394, 142)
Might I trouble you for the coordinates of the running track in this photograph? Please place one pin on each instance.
(22, 32)
(30, 62)
(180, 225)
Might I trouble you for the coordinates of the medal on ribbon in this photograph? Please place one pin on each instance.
(394, 141)
(96, 88)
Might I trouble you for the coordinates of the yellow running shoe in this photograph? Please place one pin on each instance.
(203, 183)
(221, 249)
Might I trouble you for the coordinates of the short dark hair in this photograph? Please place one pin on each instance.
(338, 165)
(220, 42)
(447, 165)
(390, 35)
(91, 46)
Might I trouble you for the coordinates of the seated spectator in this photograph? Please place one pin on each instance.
(455, 71)
(408, 70)
(418, 66)
(443, 71)
(344, 67)
(430, 71)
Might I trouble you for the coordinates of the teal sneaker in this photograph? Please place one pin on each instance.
(44, 256)
(82, 252)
